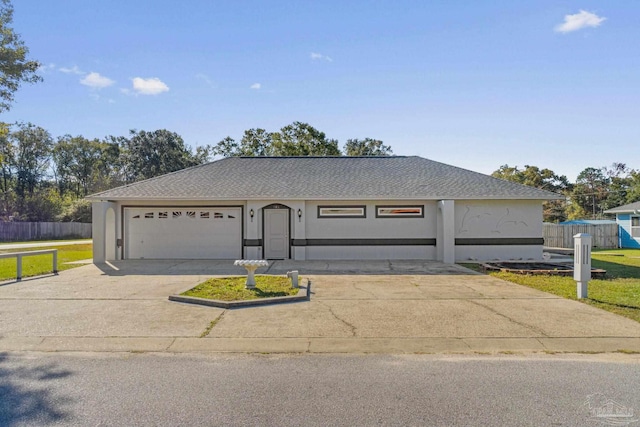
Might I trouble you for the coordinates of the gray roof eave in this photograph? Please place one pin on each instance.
(96, 198)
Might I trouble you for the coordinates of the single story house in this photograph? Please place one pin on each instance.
(320, 208)
(628, 219)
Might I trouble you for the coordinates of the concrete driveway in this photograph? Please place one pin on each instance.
(379, 307)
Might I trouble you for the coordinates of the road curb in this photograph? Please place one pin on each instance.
(321, 345)
(302, 295)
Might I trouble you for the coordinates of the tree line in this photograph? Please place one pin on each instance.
(596, 189)
(297, 139)
(45, 178)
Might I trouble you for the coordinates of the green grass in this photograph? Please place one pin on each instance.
(232, 288)
(211, 325)
(41, 264)
(618, 292)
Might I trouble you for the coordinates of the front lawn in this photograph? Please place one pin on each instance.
(618, 293)
(41, 264)
(232, 288)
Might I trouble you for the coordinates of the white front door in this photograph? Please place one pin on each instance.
(276, 233)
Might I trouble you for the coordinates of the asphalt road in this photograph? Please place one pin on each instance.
(240, 390)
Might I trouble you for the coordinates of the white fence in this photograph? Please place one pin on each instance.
(19, 255)
(24, 231)
(604, 236)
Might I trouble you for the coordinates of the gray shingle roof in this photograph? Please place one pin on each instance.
(335, 178)
(630, 208)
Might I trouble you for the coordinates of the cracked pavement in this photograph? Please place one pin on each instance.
(368, 306)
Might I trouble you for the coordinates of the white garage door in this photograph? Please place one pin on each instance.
(183, 233)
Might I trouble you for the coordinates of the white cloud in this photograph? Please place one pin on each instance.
(578, 21)
(320, 57)
(255, 86)
(72, 70)
(95, 80)
(150, 86)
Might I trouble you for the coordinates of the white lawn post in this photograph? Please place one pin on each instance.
(582, 262)
(293, 275)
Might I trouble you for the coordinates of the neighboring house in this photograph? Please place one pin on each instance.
(315, 208)
(628, 219)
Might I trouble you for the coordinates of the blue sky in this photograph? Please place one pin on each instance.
(476, 84)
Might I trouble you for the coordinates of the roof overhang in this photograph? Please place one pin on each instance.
(226, 199)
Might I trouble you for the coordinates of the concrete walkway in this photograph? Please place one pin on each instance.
(356, 307)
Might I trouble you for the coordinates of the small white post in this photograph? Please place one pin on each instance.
(18, 268)
(582, 262)
(55, 261)
(293, 275)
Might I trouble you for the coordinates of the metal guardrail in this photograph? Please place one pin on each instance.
(19, 255)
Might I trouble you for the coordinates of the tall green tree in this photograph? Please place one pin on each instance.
(44, 204)
(7, 162)
(203, 154)
(296, 139)
(546, 179)
(366, 147)
(619, 184)
(77, 162)
(113, 163)
(302, 139)
(633, 194)
(15, 68)
(590, 191)
(254, 142)
(149, 154)
(227, 147)
(33, 146)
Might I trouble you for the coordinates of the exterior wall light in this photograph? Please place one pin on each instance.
(299, 215)
(251, 213)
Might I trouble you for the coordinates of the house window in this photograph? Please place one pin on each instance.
(635, 226)
(342, 211)
(399, 212)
